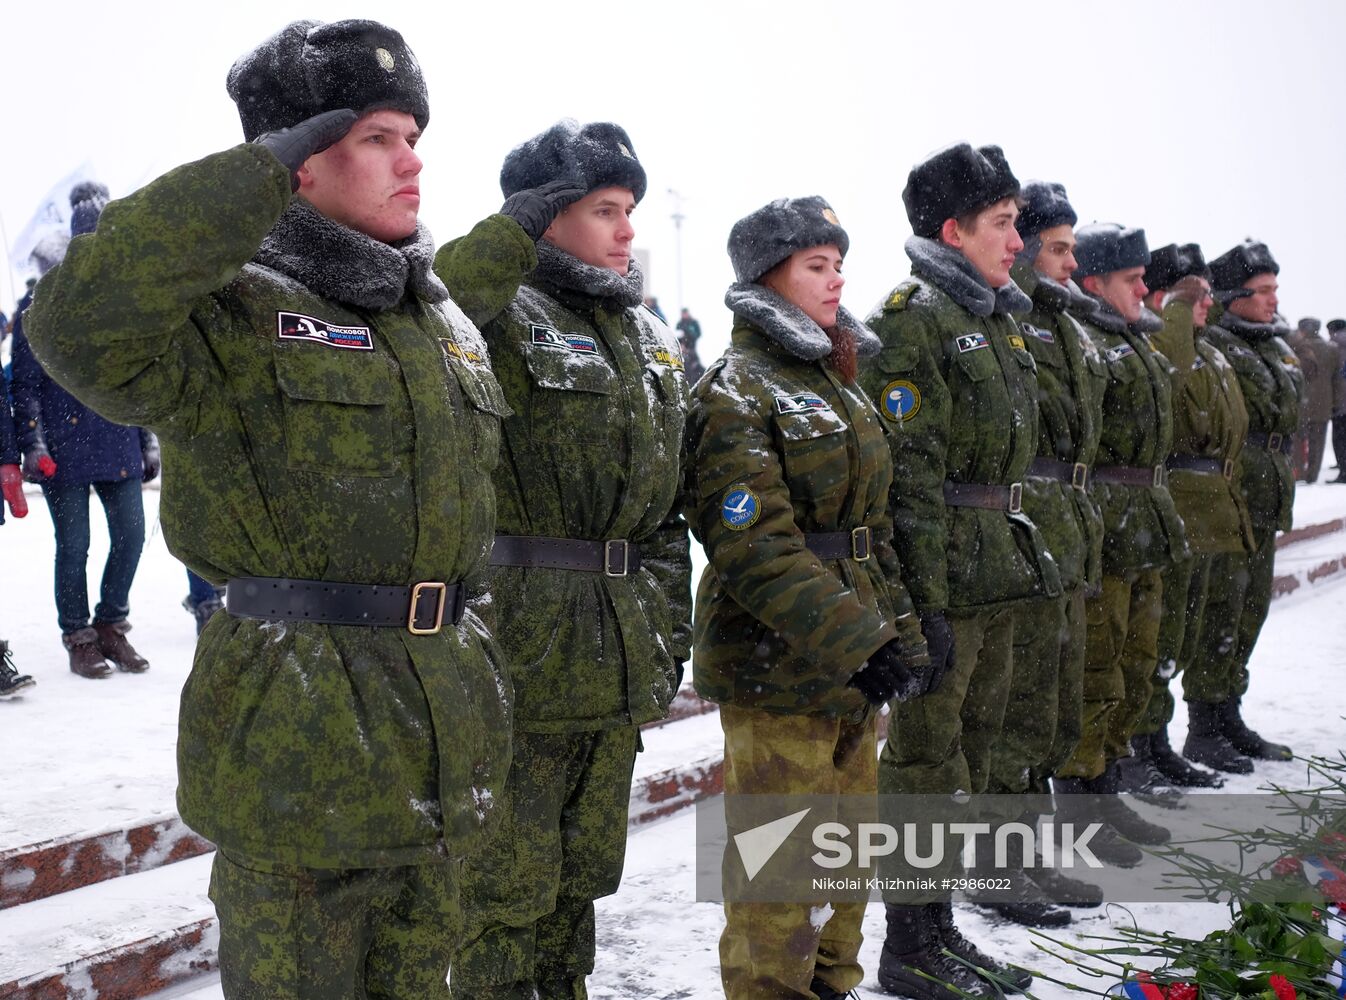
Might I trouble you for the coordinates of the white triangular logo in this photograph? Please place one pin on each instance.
(756, 846)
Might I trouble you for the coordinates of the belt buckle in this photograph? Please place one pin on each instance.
(1274, 441)
(416, 591)
(1160, 475)
(860, 543)
(609, 547)
(1016, 498)
(1079, 476)
(1229, 469)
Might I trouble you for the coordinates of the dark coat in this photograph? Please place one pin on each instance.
(9, 447)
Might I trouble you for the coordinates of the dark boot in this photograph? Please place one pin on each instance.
(912, 957)
(1244, 740)
(1010, 978)
(113, 644)
(1120, 816)
(826, 992)
(1206, 742)
(1175, 768)
(1066, 890)
(202, 610)
(86, 659)
(1107, 844)
(1138, 775)
(1022, 902)
(11, 681)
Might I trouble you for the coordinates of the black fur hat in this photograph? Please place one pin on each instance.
(1333, 325)
(1247, 260)
(954, 181)
(1044, 205)
(1104, 247)
(1170, 264)
(309, 67)
(760, 241)
(599, 154)
(87, 201)
(1310, 325)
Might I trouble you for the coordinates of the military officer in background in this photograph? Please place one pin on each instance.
(1320, 361)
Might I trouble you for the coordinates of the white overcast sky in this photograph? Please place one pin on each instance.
(1198, 120)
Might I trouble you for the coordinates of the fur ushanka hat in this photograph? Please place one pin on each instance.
(1170, 264)
(1244, 262)
(1104, 247)
(1045, 205)
(954, 181)
(596, 155)
(87, 201)
(309, 67)
(760, 241)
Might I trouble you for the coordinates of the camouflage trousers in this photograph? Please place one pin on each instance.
(1186, 590)
(1236, 610)
(528, 895)
(1042, 709)
(319, 934)
(1121, 650)
(773, 950)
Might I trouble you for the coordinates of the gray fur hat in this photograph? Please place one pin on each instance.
(1310, 325)
(1104, 247)
(1044, 205)
(1244, 262)
(309, 67)
(597, 155)
(954, 181)
(1170, 264)
(87, 201)
(760, 241)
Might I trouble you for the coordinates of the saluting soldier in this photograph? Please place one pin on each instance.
(956, 387)
(328, 419)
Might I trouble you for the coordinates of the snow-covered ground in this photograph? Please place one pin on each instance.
(83, 756)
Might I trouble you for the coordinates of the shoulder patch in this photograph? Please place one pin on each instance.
(1017, 341)
(901, 295)
(670, 359)
(801, 402)
(577, 342)
(901, 400)
(453, 350)
(740, 508)
(297, 326)
(1119, 352)
(1046, 336)
(1290, 359)
(971, 342)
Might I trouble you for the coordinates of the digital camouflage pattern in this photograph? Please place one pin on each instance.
(300, 744)
(976, 422)
(778, 629)
(592, 450)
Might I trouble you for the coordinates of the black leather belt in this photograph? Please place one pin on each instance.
(1195, 463)
(985, 495)
(1131, 475)
(855, 544)
(1074, 473)
(421, 608)
(615, 557)
(1271, 442)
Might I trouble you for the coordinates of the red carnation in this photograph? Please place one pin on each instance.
(1282, 987)
(1183, 991)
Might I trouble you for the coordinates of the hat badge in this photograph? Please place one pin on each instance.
(624, 151)
(831, 216)
(385, 59)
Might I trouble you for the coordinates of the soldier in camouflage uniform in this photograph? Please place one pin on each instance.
(328, 418)
(803, 625)
(1240, 597)
(1142, 532)
(957, 389)
(591, 572)
(1042, 715)
(1210, 422)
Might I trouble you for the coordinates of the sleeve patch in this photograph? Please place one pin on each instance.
(740, 508)
(901, 400)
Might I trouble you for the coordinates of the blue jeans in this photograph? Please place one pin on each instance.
(125, 510)
(198, 590)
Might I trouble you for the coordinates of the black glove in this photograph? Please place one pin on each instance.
(293, 146)
(535, 208)
(939, 640)
(149, 457)
(888, 674)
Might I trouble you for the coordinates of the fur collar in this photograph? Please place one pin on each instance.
(346, 266)
(1047, 295)
(953, 274)
(1082, 304)
(1248, 331)
(1148, 323)
(561, 270)
(787, 325)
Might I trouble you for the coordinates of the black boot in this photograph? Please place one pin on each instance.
(1021, 901)
(1206, 742)
(1066, 890)
(826, 992)
(1244, 740)
(11, 681)
(1107, 844)
(1175, 768)
(1010, 978)
(1138, 775)
(1120, 816)
(202, 610)
(913, 965)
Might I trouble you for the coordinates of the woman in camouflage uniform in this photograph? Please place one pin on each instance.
(803, 626)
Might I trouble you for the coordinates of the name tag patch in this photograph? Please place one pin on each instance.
(1119, 352)
(972, 342)
(577, 342)
(297, 326)
(801, 402)
(1016, 341)
(740, 508)
(1046, 336)
(668, 358)
(455, 351)
(901, 400)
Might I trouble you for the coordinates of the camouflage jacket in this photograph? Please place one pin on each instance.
(1141, 526)
(1273, 386)
(1070, 411)
(325, 413)
(957, 389)
(780, 446)
(1209, 421)
(592, 451)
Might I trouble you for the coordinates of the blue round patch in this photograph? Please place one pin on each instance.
(740, 508)
(901, 400)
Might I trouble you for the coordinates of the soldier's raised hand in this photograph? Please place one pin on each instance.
(535, 208)
(293, 146)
